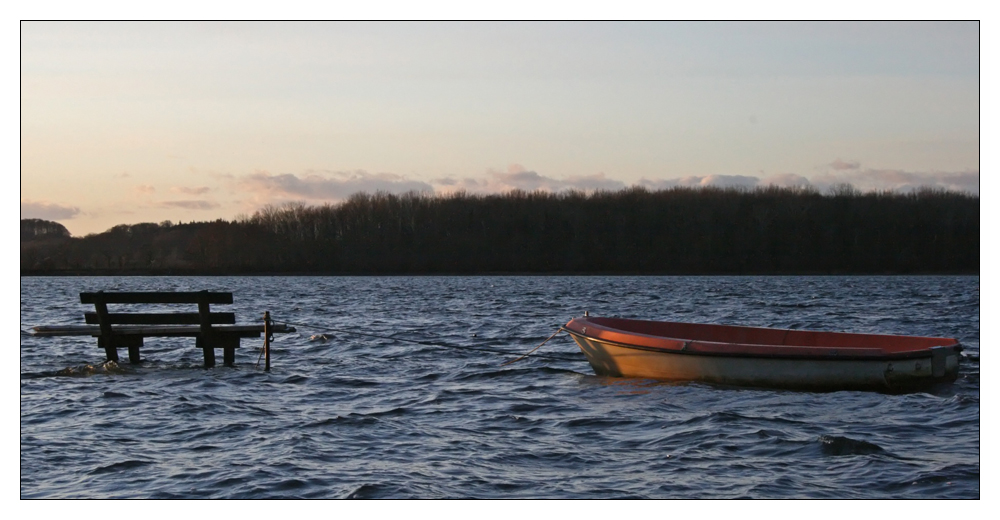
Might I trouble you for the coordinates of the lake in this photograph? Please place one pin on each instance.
(344, 415)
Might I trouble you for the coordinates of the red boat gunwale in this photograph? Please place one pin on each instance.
(733, 340)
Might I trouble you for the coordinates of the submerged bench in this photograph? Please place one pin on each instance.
(116, 330)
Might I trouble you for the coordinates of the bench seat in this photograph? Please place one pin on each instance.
(244, 331)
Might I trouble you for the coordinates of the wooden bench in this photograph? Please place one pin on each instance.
(116, 330)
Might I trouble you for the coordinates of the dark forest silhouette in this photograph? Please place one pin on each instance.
(679, 230)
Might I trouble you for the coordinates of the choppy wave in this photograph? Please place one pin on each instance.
(343, 416)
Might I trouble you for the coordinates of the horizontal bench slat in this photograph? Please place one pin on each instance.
(155, 330)
(162, 318)
(157, 297)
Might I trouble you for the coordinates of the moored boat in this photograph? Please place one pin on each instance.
(764, 357)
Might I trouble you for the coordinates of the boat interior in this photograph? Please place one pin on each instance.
(619, 329)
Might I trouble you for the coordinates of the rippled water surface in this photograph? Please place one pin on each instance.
(362, 417)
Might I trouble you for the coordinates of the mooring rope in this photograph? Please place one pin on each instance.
(268, 339)
(528, 353)
(442, 344)
(255, 367)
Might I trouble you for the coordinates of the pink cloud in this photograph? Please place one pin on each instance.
(899, 180)
(598, 181)
(518, 178)
(696, 181)
(448, 185)
(47, 210)
(261, 187)
(189, 204)
(190, 191)
(785, 180)
(525, 180)
(265, 187)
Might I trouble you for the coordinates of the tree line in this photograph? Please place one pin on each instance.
(673, 231)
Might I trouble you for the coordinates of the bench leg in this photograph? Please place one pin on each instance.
(133, 354)
(229, 356)
(208, 348)
(209, 357)
(110, 348)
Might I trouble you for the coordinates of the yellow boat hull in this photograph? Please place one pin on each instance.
(619, 360)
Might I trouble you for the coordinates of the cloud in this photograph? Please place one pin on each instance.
(658, 184)
(900, 180)
(518, 178)
(324, 186)
(597, 181)
(190, 191)
(144, 189)
(786, 180)
(728, 181)
(526, 180)
(963, 181)
(694, 181)
(864, 180)
(449, 185)
(189, 204)
(47, 210)
(873, 179)
(841, 165)
(261, 187)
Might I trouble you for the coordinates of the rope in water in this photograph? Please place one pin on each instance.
(442, 344)
(528, 353)
(270, 338)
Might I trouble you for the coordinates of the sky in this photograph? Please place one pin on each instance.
(152, 121)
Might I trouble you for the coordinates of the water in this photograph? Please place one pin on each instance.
(361, 417)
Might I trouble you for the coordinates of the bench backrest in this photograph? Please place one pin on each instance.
(204, 317)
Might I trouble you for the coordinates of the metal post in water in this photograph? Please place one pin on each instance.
(267, 341)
